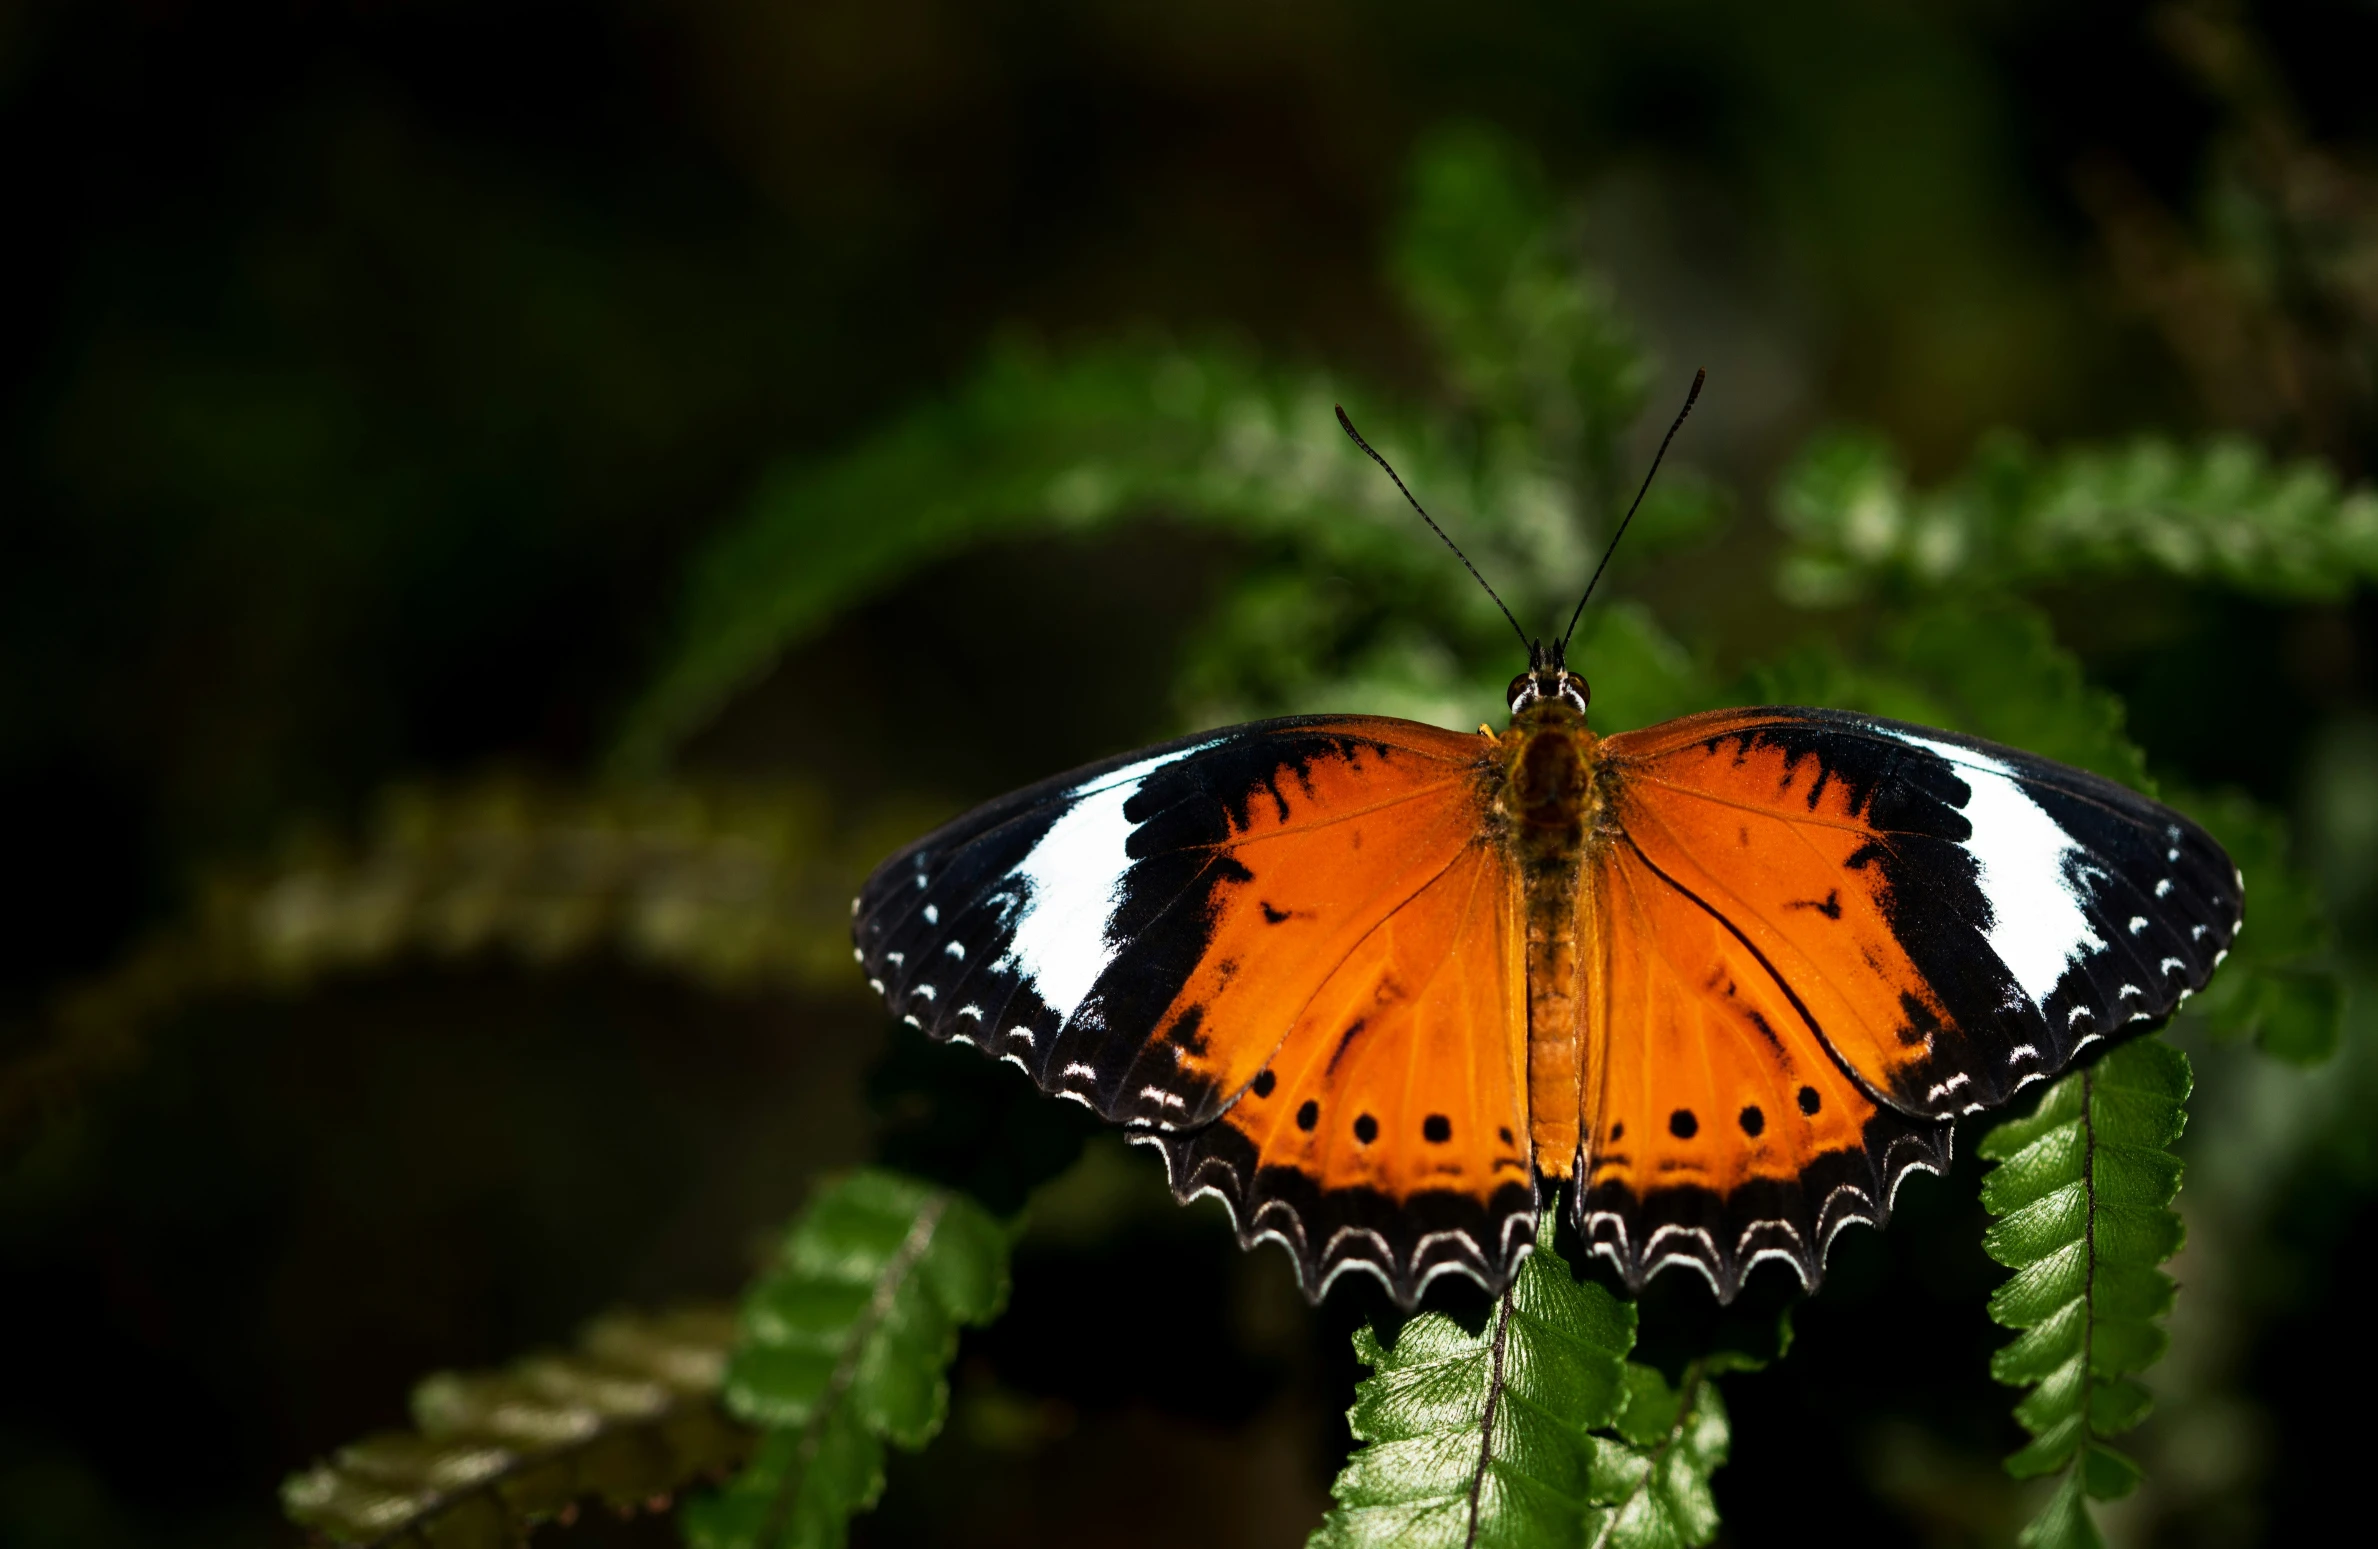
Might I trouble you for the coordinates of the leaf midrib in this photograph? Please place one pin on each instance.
(1494, 1396)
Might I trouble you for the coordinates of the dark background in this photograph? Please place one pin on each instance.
(368, 371)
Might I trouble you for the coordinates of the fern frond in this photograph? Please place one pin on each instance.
(1033, 445)
(2218, 510)
(731, 888)
(2082, 1192)
(1532, 1430)
(845, 1346)
(626, 1420)
(1651, 1482)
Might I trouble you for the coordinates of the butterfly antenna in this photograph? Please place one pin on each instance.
(1562, 652)
(1373, 453)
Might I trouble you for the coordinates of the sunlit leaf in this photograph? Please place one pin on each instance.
(1531, 1429)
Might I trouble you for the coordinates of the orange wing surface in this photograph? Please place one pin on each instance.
(1822, 936)
(1284, 955)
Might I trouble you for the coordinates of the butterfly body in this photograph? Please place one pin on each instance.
(1547, 792)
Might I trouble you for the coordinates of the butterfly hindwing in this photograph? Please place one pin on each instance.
(1147, 934)
(1389, 1130)
(1724, 1131)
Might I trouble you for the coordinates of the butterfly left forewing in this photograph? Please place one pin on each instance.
(1152, 935)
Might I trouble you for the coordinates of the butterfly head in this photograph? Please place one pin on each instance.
(1548, 680)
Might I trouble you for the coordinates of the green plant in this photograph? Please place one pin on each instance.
(2083, 1192)
(1529, 1426)
(844, 1345)
(1533, 1428)
(626, 1419)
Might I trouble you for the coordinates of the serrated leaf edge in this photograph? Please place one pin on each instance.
(2077, 1435)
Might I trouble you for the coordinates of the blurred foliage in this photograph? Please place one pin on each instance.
(1532, 1428)
(730, 888)
(2083, 1191)
(2217, 512)
(1523, 469)
(373, 410)
(845, 1346)
(626, 1420)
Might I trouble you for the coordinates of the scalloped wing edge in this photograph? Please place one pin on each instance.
(1726, 1236)
(1406, 1245)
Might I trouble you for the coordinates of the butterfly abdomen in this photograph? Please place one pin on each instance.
(1552, 802)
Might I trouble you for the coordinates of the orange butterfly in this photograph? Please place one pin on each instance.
(1385, 989)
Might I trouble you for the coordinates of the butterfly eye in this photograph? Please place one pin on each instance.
(1563, 685)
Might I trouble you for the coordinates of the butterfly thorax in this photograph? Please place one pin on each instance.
(1552, 800)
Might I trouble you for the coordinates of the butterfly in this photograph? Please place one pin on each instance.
(1387, 991)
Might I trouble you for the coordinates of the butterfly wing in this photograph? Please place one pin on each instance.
(1284, 954)
(1826, 935)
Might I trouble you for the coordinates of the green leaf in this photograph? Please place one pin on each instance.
(1638, 673)
(2064, 1523)
(1481, 1437)
(2082, 1193)
(2217, 511)
(1533, 1429)
(1651, 1484)
(845, 1346)
(626, 1419)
